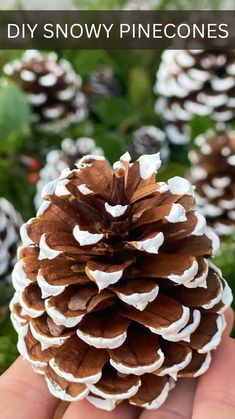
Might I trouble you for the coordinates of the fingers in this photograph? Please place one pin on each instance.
(24, 394)
(229, 316)
(215, 395)
(178, 404)
(85, 410)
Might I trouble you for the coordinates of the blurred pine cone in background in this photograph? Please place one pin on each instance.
(102, 84)
(58, 160)
(115, 298)
(10, 222)
(194, 82)
(213, 174)
(52, 86)
(140, 5)
(149, 140)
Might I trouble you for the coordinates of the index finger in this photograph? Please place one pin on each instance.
(215, 395)
(24, 394)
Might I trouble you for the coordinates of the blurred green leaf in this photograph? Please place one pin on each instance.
(15, 118)
(112, 142)
(226, 261)
(201, 124)
(171, 170)
(140, 89)
(113, 111)
(8, 342)
(85, 62)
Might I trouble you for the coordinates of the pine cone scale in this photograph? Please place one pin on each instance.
(198, 365)
(79, 371)
(153, 391)
(133, 357)
(60, 386)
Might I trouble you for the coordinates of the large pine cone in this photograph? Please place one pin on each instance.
(195, 82)
(58, 160)
(115, 297)
(10, 222)
(213, 173)
(52, 86)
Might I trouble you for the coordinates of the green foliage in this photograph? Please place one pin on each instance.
(226, 262)
(170, 170)
(15, 118)
(113, 111)
(98, 4)
(8, 341)
(201, 124)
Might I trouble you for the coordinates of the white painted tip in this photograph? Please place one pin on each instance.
(180, 186)
(176, 214)
(45, 251)
(102, 343)
(104, 279)
(149, 164)
(85, 238)
(115, 210)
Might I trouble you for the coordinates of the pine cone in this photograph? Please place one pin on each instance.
(102, 84)
(195, 82)
(9, 238)
(149, 140)
(115, 297)
(58, 160)
(213, 173)
(53, 88)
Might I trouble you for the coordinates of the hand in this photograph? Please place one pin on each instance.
(24, 394)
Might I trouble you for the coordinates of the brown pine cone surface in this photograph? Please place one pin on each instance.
(57, 160)
(195, 82)
(52, 86)
(115, 297)
(213, 174)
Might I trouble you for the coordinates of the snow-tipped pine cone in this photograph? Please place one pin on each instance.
(103, 84)
(52, 86)
(115, 298)
(149, 140)
(213, 174)
(58, 160)
(10, 222)
(195, 82)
